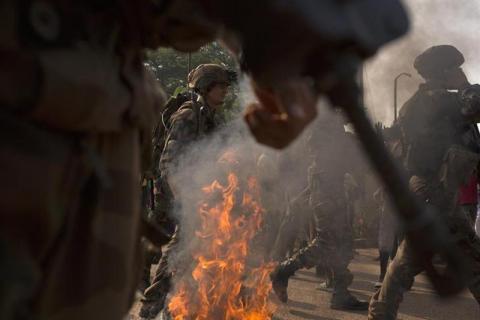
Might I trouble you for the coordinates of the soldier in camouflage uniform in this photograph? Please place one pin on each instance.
(194, 120)
(77, 109)
(330, 147)
(438, 161)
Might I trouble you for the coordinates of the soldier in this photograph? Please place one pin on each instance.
(77, 111)
(438, 161)
(192, 121)
(334, 236)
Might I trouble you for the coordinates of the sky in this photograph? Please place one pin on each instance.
(433, 22)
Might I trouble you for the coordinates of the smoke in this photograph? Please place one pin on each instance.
(282, 176)
(434, 22)
(201, 164)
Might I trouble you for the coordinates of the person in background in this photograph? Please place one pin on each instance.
(468, 199)
(387, 231)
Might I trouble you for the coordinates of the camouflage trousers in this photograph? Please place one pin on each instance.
(332, 245)
(293, 228)
(156, 294)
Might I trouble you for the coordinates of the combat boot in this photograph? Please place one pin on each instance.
(327, 285)
(344, 300)
(280, 277)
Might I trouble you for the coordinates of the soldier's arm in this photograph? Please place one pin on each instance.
(182, 132)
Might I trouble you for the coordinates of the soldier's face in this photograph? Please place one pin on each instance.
(216, 96)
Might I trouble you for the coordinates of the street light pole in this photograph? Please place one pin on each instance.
(395, 90)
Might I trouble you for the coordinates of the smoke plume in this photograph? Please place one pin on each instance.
(433, 22)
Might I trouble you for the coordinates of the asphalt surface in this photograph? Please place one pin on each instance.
(308, 302)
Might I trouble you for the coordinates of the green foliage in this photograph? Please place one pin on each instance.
(171, 69)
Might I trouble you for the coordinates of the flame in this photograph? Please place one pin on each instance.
(224, 286)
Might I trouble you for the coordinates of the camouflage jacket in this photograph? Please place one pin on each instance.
(190, 123)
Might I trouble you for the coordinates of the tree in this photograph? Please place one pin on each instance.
(172, 67)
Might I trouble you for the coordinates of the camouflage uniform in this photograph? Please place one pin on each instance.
(71, 161)
(193, 121)
(333, 243)
(438, 161)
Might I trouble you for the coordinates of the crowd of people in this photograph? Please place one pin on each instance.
(435, 140)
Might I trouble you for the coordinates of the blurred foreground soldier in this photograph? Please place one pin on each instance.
(333, 240)
(438, 161)
(77, 110)
(193, 120)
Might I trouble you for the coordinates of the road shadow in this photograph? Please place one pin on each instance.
(427, 306)
(301, 305)
(309, 316)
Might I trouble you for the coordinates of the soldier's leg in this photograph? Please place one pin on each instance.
(156, 294)
(342, 298)
(152, 256)
(474, 285)
(384, 257)
(285, 238)
(306, 257)
(400, 274)
(342, 277)
(293, 222)
(469, 246)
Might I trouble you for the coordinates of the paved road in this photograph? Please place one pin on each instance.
(307, 302)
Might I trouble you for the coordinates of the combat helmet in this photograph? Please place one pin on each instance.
(436, 60)
(203, 77)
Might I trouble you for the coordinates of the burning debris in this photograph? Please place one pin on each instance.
(226, 281)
